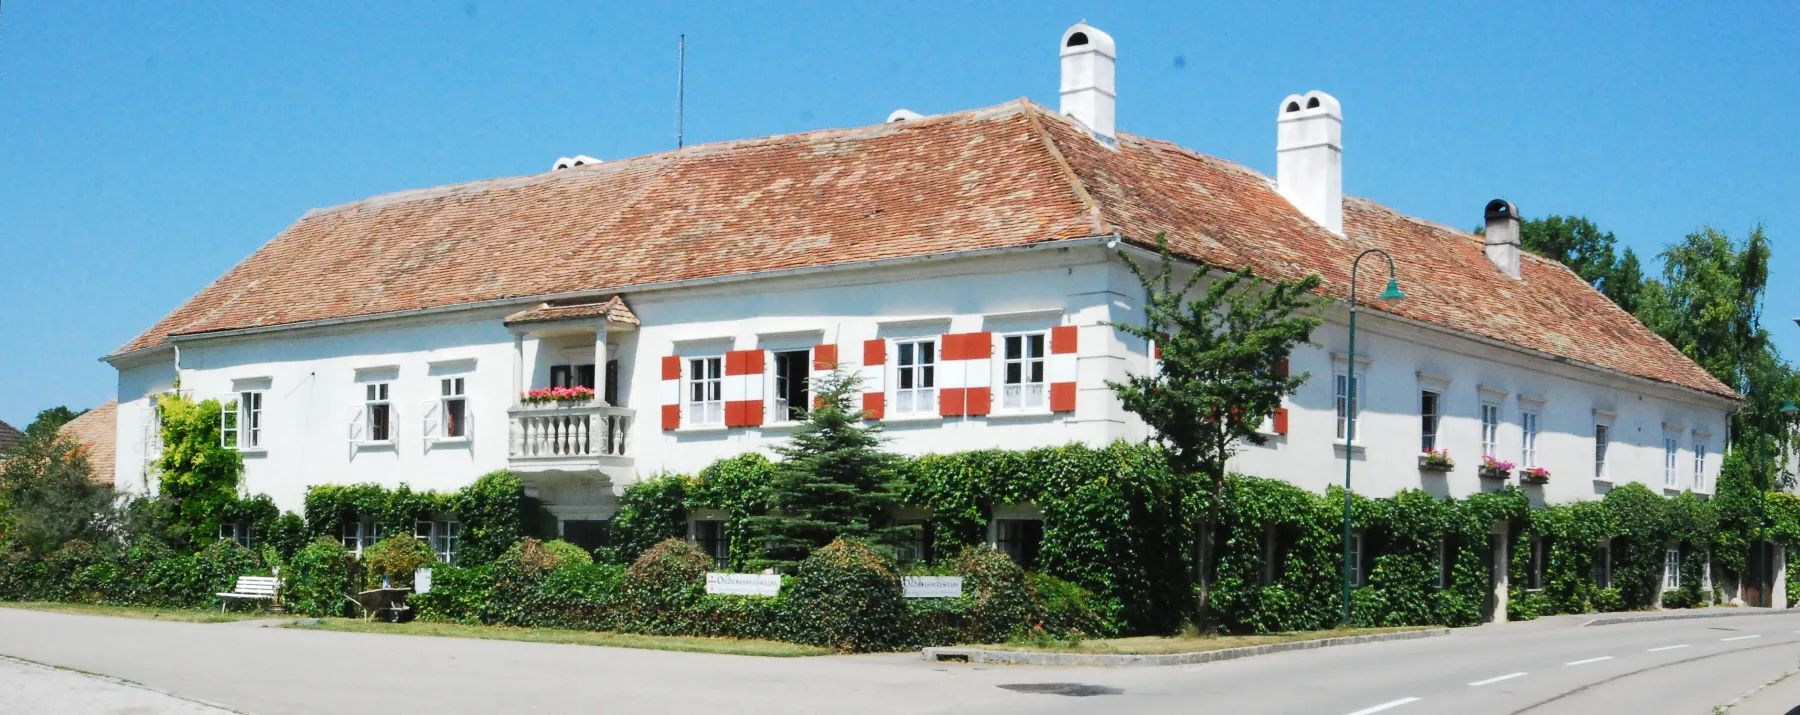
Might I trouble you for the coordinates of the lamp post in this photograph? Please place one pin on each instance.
(1391, 294)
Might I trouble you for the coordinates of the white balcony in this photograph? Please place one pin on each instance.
(569, 437)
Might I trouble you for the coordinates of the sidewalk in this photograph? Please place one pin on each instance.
(28, 687)
(1782, 698)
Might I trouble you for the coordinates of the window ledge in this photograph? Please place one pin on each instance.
(253, 451)
(1020, 414)
(781, 426)
(702, 429)
(447, 441)
(904, 419)
(389, 444)
(1353, 446)
(1603, 480)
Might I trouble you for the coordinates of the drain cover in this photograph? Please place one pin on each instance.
(1079, 690)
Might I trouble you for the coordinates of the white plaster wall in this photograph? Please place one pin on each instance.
(312, 376)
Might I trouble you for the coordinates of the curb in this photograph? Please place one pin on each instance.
(1110, 660)
(1681, 616)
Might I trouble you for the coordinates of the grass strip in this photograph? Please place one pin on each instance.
(181, 615)
(689, 644)
(1167, 645)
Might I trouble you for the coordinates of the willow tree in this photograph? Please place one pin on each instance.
(1222, 352)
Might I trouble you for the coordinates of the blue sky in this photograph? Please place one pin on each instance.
(145, 148)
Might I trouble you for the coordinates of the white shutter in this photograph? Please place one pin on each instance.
(469, 421)
(358, 423)
(228, 424)
(430, 424)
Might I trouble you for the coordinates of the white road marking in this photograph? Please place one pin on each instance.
(1590, 660)
(1385, 706)
(1508, 676)
(1739, 638)
(1667, 647)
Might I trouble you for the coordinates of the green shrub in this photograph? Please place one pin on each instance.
(578, 595)
(650, 511)
(512, 597)
(1063, 608)
(394, 560)
(492, 514)
(662, 584)
(567, 554)
(998, 601)
(847, 598)
(318, 578)
(457, 594)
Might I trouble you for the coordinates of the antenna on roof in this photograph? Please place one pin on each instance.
(680, 88)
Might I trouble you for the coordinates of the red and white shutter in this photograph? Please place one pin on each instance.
(743, 388)
(1279, 421)
(1061, 368)
(824, 360)
(874, 372)
(671, 392)
(965, 374)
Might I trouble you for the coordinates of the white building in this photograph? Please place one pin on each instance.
(963, 262)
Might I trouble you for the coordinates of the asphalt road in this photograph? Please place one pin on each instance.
(1545, 667)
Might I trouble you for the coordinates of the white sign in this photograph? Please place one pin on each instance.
(932, 586)
(743, 584)
(422, 581)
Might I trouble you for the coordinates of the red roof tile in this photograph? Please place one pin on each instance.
(1010, 175)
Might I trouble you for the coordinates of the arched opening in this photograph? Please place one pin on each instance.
(1312, 103)
(1293, 106)
(1078, 39)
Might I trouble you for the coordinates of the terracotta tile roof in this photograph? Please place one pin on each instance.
(9, 436)
(613, 309)
(1010, 175)
(95, 435)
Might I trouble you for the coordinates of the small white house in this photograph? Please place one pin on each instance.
(964, 263)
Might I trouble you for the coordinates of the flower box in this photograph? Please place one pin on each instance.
(1436, 461)
(558, 396)
(1495, 469)
(1535, 475)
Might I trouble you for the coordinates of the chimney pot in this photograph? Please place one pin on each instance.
(1502, 239)
(1088, 93)
(1309, 153)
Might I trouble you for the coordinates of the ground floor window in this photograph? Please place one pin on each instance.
(238, 531)
(1359, 549)
(1671, 569)
(360, 534)
(1603, 565)
(1020, 538)
(441, 535)
(1540, 550)
(1446, 562)
(710, 537)
(917, 546)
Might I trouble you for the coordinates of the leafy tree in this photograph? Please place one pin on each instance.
(198, 475)
(833, 481)
(1220, 374)
(51, 420)
(1588, 251)
(1710, 299)
(47, 496)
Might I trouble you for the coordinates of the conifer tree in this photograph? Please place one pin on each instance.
(833, 480)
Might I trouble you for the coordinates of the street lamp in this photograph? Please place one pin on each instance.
(1391, 294)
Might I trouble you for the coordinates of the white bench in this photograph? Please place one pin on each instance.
(252, 587)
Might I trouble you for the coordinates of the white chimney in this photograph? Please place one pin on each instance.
(1309, 157)
(904, 115)
(1503, 235)
(1087, 79)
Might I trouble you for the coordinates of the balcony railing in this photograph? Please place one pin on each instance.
(569, 432)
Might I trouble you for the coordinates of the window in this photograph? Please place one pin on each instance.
(589, 534)
(1358, 544)
(1278, 542)
(915, 369)
(240, 423)
(455, 407)
(1699, 466)
(360, 534)
(793, 372)
(1528, 422)
(1670, 449)
(441, 535)
(1023, 378)
(1706, 577)
(1602, 433)
(1428, 420)
(379, 412)
(1534, 577)
(237, 531)
(572, 376)
(1603, 565)
(1019, 538)
(706, 391)
(1671, 569)
(1490, 429)
(710, 537)
(917, 548)
(1342, 386)
(1446, 562)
